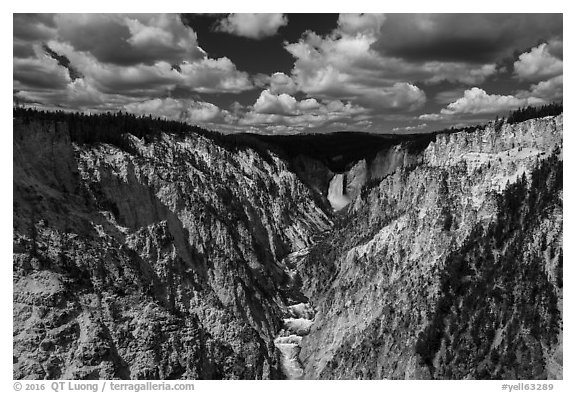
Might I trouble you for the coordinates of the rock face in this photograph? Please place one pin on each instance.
(449, 270)
(160, 263)
(180, 258)
(347, 186)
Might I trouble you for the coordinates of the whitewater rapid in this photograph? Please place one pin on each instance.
(289, 340)
(297, 321)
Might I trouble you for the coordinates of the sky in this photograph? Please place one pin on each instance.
(291, 73)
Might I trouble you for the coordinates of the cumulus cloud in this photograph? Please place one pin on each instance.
(448, 96)
(42, 72)
(123, 58)
(431, 117)
(83, 95)
(283, 109)
(129, 39)
(214, 75)
(368, 69)
(134, 80)
(411, 128)
(360, 23)
(269, 103)
(549, 90)
(205, 75)
(256, 26)
(284, 104)
(344, 67)
(458, 72)
(542, 65)
(282, 83)
(539, 64)
(182, 110)
(477, 101)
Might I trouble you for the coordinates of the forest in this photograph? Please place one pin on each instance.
(475, 291)
(531, 112)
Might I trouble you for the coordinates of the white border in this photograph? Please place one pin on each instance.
(489, 6)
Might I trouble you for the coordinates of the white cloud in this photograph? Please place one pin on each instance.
(269, 103)
(411, 128)
(431, 117)
(282, 83)
(190, 111)
(477, 101)
(256, 26)
(121, 58)
(205, 75)
(458, 72)
(549, 90)
(41, 72)
(82, 94)
(309, 104)
(345, 67)
(215, 75)
(538, 64)
(360, 23)
(283, 109)
(129, 39)
(286, 105)
(448, 96)
(134, 79)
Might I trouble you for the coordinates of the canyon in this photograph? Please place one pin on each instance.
(187, 256)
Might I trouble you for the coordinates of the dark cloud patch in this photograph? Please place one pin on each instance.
(145, 85)
(33, 27)
(320, 24)
(23, 50)
(246, 53)
(266, 56)
(556, 49)
(128, 41)
(104, 39)
(33, 79)
(474, 38)
(472, 49)
(64, 62)
(35, 75)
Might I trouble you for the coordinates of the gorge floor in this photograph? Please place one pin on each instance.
(298, 318)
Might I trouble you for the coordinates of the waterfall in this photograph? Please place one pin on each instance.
(336, 196)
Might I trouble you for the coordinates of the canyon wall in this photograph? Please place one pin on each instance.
(180, 258)
(451, 269)
(161, 262)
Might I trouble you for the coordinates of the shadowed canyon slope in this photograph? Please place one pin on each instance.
(190, 256)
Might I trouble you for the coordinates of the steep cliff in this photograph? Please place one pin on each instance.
(186, 256)
(158, 263)
(451, 269)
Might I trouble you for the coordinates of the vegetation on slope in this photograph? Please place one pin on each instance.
(531, 112)
(497, 312)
